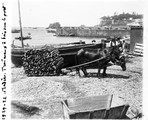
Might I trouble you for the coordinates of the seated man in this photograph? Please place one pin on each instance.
(93, 41)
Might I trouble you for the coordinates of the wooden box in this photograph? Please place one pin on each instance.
(94, 107)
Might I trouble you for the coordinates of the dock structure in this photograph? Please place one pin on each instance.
(135, 33)
(91, 32)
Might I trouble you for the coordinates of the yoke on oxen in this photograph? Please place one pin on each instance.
(99, 57)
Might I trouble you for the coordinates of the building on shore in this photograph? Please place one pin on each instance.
(136, 36)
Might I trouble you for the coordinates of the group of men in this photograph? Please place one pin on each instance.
(121, 43)
(116, 41)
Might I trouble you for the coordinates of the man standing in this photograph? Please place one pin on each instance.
(124, 47)
(112, 42)
(118, 42)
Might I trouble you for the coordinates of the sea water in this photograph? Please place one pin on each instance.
(40, 36)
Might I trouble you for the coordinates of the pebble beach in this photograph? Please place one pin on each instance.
(46, 92)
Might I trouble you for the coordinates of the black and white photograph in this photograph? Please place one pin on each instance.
(73, 59)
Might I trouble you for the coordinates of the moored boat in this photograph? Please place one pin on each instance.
(24, 38)
(51, 30)
(15, 31)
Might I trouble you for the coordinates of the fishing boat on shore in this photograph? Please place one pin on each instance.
(16, 51)
(67, 52)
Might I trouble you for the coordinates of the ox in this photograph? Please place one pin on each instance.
(112, 54)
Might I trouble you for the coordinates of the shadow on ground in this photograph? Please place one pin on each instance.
(108, 76)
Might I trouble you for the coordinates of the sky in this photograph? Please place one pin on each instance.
(40, 13)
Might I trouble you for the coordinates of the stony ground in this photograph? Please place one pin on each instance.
(45, 93)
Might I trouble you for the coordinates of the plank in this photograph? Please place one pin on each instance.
(138, 49)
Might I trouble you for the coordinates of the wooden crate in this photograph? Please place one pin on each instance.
(138, 49)
(87, 107)
(95, 107)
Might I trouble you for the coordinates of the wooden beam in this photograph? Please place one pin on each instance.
(21, 33)
(80, 65)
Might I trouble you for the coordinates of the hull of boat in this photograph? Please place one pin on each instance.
(68, 53)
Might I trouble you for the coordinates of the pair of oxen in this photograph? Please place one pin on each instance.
(106, 55)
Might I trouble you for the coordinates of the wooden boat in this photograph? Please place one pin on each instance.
(24, 38)
(51, 30)
(72, 35)
(68, 53)
(15, 31)
(73, 43)
(17, 52)
(34, 28)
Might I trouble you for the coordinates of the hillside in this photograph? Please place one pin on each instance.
(121, 19)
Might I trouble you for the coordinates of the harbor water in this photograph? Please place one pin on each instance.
(40, 36)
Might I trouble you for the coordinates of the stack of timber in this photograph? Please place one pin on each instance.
(42, 62)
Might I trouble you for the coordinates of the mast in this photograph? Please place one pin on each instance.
(21, 33)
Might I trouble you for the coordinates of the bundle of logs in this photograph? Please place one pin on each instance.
(42, 62)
